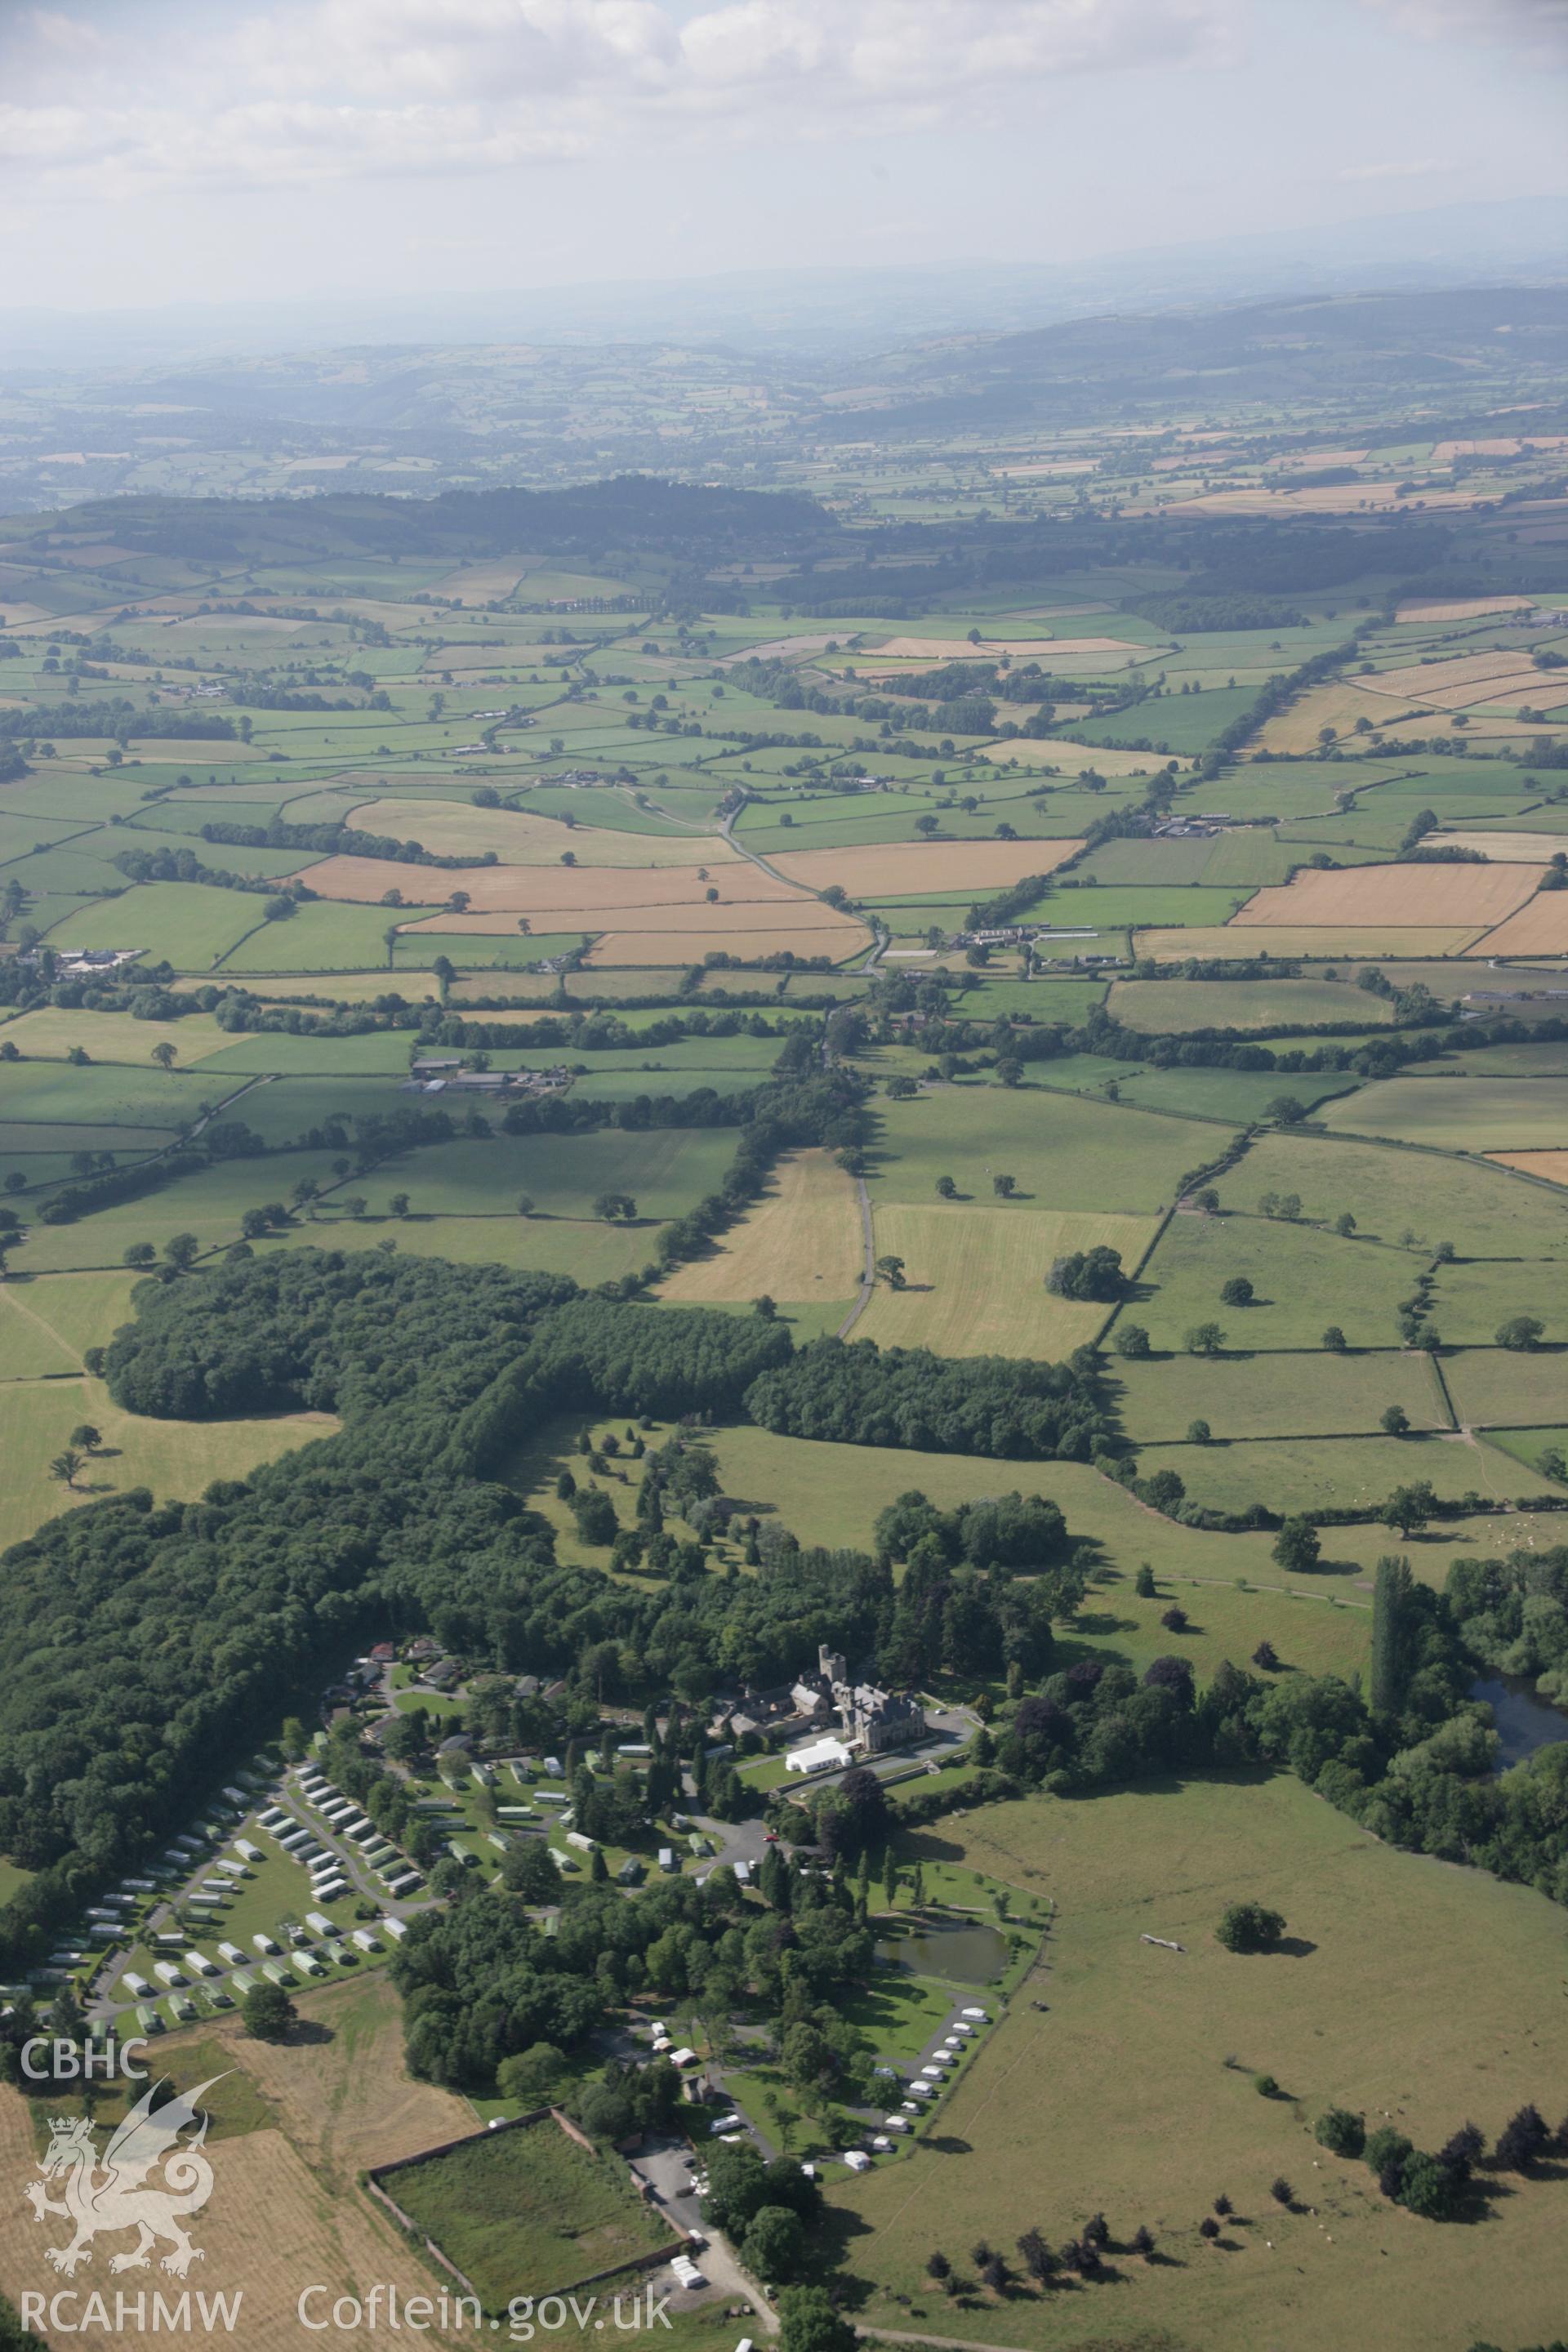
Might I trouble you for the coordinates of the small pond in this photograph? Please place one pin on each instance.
(1524, 1722)
(966, 1953)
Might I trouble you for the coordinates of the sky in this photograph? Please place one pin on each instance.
(173, 151)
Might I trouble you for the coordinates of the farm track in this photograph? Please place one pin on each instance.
(869, 1278)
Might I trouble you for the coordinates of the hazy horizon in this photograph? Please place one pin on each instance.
(382, 151)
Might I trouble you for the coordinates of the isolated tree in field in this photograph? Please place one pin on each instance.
(891, 1270)
(1521, 1332)
(87, 1437)
(1237, 1291)
(1394, 1421)
(1004, 1187)
(1174, 1619)
(1408, 1508)
(901, 1088)
(182, 1251)
(398, 1204)
(1344, 1224)
(946, 1190)
(1285, 1110)
(267, 2012)
(1199, 1432)
(1297, 1547)
(1143, 2240)
(525, 1204)
(1130, 1339)
(165, 1054)
(1203, 1339)
(1208, 2227)
(611, 1206)
(139, 1253)
(1250, 1927)
(1279, 2189)
(766, 1308)
(1143, 1583)
(1266, 1657)
(1334, 1340)
(1207, 1199)
(65, 1465)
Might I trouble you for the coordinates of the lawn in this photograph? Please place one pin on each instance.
(1143, 2058)
(176, 1458)
(1303, 1280)
(528, 2211)
(1460, 1114)
(975, 1277)
(1065, 1152)
(1483, 1211)
(1309, 1394)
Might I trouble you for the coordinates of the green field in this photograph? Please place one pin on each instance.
(1483, 1211)
(528, 2211)
(175, 1458)
(1499, 1387)
(1311, 1394)
(1303, 1280)
(1460, 1114)
(1066, 1153)
(1148, 2054)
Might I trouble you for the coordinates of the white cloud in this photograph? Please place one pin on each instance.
(1539, 27)
(337, 88)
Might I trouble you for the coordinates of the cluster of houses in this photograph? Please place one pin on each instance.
(447, 1074)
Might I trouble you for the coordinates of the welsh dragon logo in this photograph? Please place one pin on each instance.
(116, 2194)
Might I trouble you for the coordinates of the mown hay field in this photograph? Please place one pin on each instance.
(735, 919)
(1552, 1165)
(1539, 928)
(450, 829)
(1131, 2093)
(1457, 1114)
(976, 1277)
(301, 2120)
(803, 1241)
(1178, 1007)
(542, 889)
(1425, 897)
(908, 868)
(1322, 942)
(838, 941)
